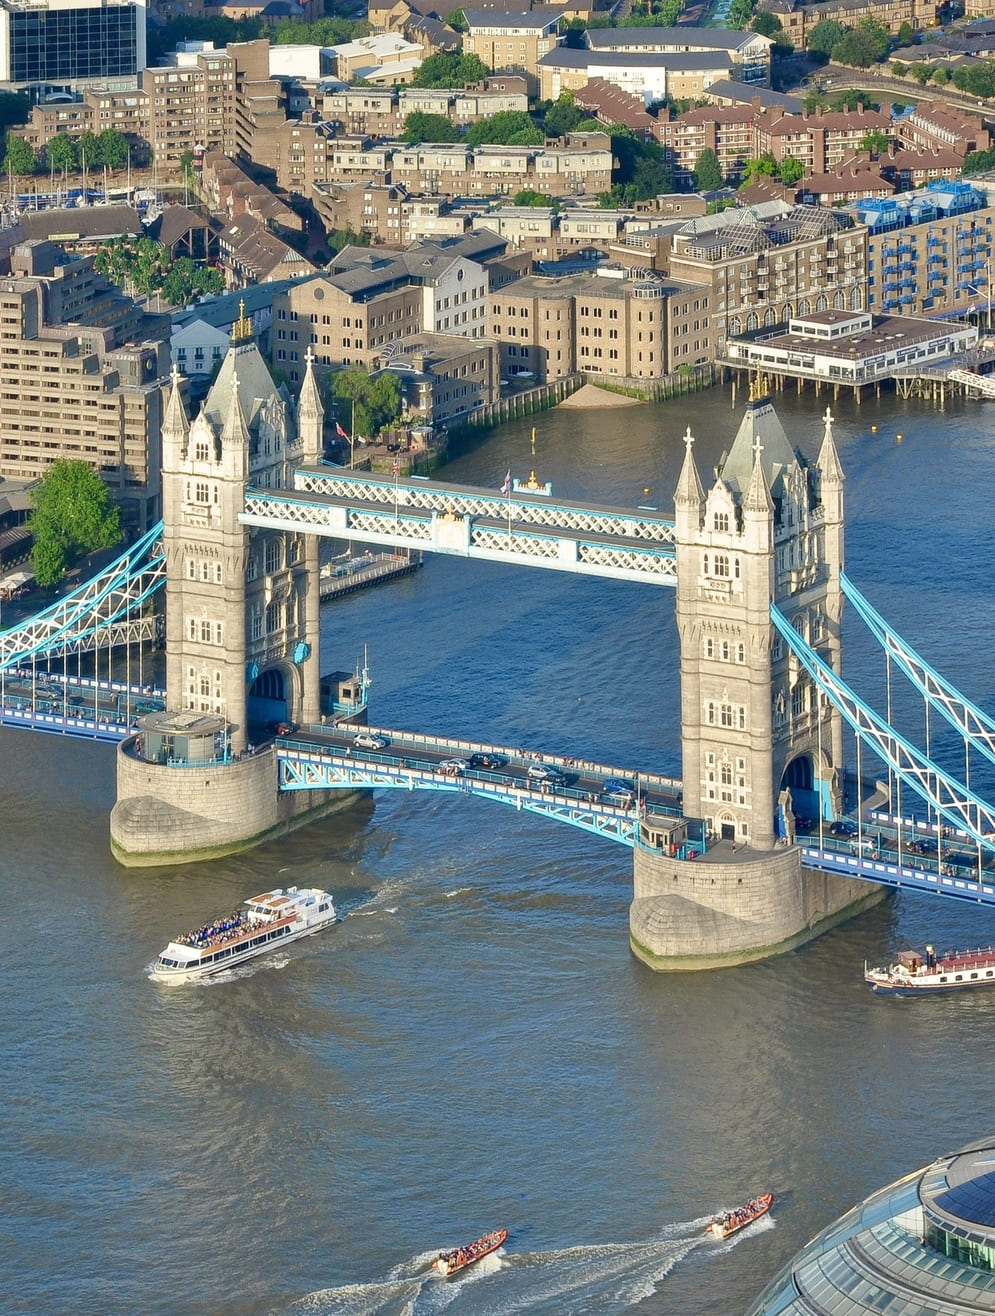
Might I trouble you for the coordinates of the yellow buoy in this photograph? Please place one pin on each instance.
(874, 429)
(898, 438)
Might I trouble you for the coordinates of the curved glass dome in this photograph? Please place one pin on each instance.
(923, 1246)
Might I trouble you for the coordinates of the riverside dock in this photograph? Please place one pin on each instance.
(345, 577)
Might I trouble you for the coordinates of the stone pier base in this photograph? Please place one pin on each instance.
(181, 815)
(733, 906)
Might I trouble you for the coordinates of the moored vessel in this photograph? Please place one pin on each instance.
(915, 971)
(458, 1258)
(731, 1222)
(260, 925)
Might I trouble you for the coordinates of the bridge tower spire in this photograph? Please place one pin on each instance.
(310, 415)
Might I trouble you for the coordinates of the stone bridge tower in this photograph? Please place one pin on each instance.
(242, 625)
(760, 747)
(769, 530)
(242, 610)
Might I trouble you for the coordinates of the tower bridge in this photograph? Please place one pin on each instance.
(755, 560)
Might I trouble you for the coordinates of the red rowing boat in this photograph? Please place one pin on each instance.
(731, 1222)
(452, 1262)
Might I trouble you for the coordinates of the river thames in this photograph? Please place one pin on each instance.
(473, 1044)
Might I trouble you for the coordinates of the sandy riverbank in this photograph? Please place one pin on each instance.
(589, 395)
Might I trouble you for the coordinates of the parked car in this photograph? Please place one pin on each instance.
(488, 761)
(367, 740)
(453, 767)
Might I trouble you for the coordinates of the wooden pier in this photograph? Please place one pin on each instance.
(372, 569)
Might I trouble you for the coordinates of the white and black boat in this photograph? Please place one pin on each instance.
(915, 972)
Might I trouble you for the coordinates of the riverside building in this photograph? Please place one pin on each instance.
(923, 1246)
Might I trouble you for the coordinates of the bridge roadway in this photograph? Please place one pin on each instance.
(528, 529)
(74, 705)
(316, 758)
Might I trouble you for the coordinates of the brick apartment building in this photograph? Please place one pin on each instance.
(84, 374)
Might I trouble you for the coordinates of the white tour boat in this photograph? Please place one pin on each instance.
(262, 924)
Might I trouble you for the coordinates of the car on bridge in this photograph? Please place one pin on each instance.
(546, 775)
(367, 740)
(453, 767)
(619, 788)
(842, 827)
(488, 761)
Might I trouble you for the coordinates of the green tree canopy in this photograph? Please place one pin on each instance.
(792, 171)
(324, 32)
(61, 153)
(977, 79)
(527, 197)
(422, 127)
(874, 142)
(741, 13)
(863, 45)
(921, 73)
(20, 159)
(449, 69)
(761, 166)
(562, 116)
(186, 280)
(906, 34)
(369, 402)
(506, 128)
(457, 21)
(976, 162)
(112, 149)
(708, 171)
(72, 515)
(824, 36)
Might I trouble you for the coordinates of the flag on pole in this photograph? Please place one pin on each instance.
(506, 487)
(340, 431)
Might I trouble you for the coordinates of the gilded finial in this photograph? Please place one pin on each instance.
(242, 328)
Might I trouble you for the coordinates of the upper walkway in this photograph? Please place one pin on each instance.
(529, 529)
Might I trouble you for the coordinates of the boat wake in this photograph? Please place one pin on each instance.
(607, 1278)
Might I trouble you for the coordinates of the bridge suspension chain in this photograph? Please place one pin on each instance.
(971, 722)
(950, 797)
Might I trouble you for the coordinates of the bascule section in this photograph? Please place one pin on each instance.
(242, 619)
(759, 744)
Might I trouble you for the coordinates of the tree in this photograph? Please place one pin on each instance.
(372, 402)
(741, 12)
(562, 116)
(941, 76)
(449, 69)
(457, 21)
(874, 143)
(863, 45)
(112, 149)
(422, 127)
(186, 280)
(761, 166)
(61, 153)
(899, 69)
(529, 198)
(20, 159)
(921, 73)
(825, 35)
(506, 128)
(792, 171)
(72, 515)
(88, 151)
(708, 172)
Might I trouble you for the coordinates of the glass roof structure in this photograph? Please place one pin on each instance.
(924, 1246)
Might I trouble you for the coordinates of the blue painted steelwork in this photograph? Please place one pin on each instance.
(971, 722)
(95, 605)
(305, 768)
(979, 891)
(950, 797)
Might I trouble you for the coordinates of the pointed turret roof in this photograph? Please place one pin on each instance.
(243, 368)
(758, 497)
(829, 458)
(309, 401)
(234, 430)
(689, 492)
(175, 419)
(760, 425)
